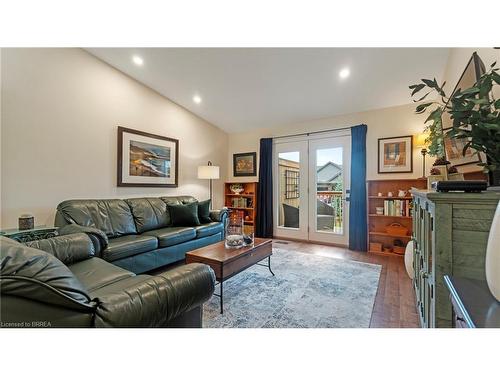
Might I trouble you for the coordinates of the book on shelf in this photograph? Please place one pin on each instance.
(397, 207)
(241, 202)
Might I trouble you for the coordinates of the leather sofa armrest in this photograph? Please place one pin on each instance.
(68, 249)
(218, 215)
(156, 301)
(97, 236)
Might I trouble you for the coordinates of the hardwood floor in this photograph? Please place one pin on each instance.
(395, 302)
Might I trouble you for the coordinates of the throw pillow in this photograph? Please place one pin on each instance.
(184, 215)
(204, 212)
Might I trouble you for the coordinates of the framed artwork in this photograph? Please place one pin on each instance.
(395, 154)
(245, 164)
(146, 160)
(454, 148)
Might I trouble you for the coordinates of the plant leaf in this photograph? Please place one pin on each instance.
(416, 88)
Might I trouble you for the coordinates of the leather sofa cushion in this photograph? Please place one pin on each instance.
(35, 274)
(96, 273)
(182, 199)
(69, 249)
(112, 216)
(172, 235)
(126, 246)
(118, 286)
(149, 213)
(208, 229)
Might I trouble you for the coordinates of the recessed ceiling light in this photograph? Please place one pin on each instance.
(197, 99)
(344, 73)
(137, 60)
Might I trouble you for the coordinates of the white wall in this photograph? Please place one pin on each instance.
(60, 112)
(382, 123)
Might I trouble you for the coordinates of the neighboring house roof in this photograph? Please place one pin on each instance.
(329, 172)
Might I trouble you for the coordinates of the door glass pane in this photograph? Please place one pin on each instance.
(289, 189)
(329, 190)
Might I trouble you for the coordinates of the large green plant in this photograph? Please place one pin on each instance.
(434, 122)
(475, 114)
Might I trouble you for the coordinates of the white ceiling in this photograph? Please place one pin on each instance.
(247, 88)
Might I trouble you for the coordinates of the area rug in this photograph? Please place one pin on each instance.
(308, 291)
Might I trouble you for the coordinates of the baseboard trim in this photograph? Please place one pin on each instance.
(311, 242)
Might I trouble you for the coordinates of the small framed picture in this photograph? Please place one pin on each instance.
(395, 154)
(454, 148)
(146, 160)
(245, 164)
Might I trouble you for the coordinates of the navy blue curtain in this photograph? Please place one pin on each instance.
(357, 208)
(264, 224)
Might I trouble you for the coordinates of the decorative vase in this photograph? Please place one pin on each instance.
(236, 188)
(234, 230)
(26, 222)
(492, 263)
(444, 171)
(409, 258)
(433, 178)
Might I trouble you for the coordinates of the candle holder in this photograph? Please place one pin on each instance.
(234, 230)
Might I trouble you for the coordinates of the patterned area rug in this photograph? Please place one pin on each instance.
(308, 291)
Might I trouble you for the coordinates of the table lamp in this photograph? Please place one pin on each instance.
(420, 142)
(209, 172)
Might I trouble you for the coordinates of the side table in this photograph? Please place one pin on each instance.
(37, 233)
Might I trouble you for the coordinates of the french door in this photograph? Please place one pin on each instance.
(311, 188)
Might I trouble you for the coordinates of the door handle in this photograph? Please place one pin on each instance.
(347, 195)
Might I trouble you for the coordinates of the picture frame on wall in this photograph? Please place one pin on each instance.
(146, 160)
(395, 154)
(245, 164)
(454, 148)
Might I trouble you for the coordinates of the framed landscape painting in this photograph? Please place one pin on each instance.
(245, 164)
(454, 148)
(395, 154)
(147, 160)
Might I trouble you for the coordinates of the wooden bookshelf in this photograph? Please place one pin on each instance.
(248, 199)
(377, 224)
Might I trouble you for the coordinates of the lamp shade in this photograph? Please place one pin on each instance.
(208, 172)
(420, 140)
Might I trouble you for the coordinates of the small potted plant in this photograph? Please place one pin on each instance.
(442, 165)
(435, 176)
(453, 174)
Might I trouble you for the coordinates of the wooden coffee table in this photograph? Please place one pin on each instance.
(229, 262)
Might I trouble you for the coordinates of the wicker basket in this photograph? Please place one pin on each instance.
(396, 229)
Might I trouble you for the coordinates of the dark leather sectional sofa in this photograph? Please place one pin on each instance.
(138, 232)
(87, 276)
(61, 282)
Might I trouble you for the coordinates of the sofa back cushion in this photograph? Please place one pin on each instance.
(149, 213)
(181, 199)
(112, 216)
(35, 274)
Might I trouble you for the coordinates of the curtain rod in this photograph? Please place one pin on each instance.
(309, 133)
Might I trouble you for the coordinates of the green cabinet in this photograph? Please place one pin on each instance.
(450, 231)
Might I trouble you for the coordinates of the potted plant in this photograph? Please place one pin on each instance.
(453, 174)
(475, 114)
(476, 118)
(442, 165)
(434, 176)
